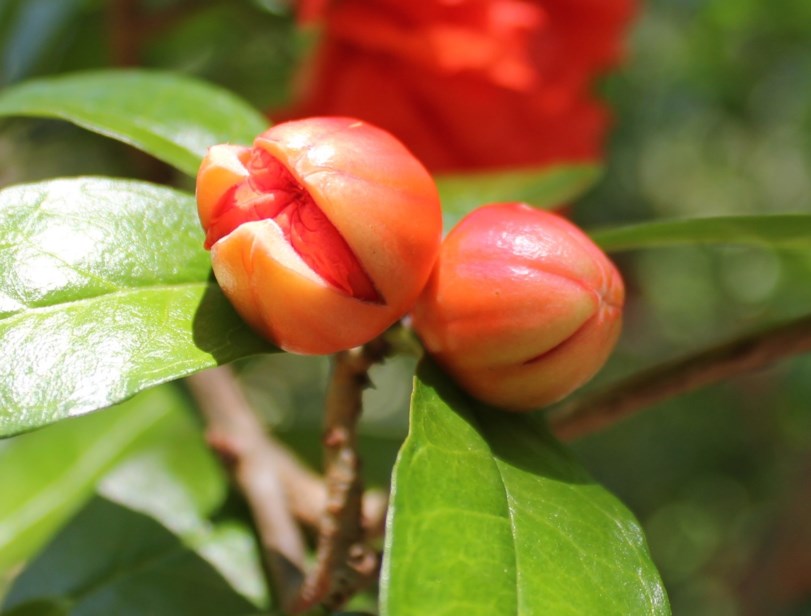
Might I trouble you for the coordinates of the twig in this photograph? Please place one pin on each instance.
(780, 574)
(257, 465)
(170, 16)
(124, 25)
(307, 494)
(592, 413)
(131, 26)
(345, 563)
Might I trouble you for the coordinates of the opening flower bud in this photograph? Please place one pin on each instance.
(521, 307)
(322, 234)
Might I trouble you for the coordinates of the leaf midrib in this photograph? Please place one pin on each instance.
(510, 515)
(26, 312)
(650, 599)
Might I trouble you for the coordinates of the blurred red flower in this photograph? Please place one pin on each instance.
(468, 84)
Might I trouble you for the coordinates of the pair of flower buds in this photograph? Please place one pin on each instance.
(328, 230)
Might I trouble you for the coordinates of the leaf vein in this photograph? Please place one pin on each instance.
(29, 310)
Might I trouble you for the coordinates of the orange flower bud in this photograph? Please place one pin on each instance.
(521, 308)
(322, 234)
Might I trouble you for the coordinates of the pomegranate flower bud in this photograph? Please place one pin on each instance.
(322, 234)
(521, 308)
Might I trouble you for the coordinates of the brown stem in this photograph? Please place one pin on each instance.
(169, 17)
(124, 31)
(307, 493)
(780, 574)
(345, 563)
(592, 413)
(130, 26)
(257, 465)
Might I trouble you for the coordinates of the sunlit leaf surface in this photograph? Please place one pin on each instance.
(105, 290)
(172, 117)
(151, 457)
(178, 482)
(48, 474)
(491, 516)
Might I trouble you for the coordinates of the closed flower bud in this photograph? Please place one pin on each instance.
(521, 308)
(322, 234)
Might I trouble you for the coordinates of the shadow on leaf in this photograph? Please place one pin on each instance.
(514, 438)
(113, 560)
(218, 330)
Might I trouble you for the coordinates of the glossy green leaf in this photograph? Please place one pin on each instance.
(161, 467)
(178, 482)
(783, 230)
(491, 516)
(172, 117)
(112, 560)
(104, 290)
(545, 187)
(49, 473)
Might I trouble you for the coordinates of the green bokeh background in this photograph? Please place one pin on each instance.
(712, 116)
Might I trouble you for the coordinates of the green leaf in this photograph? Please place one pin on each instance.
(112, 560)
(491, 516)
(48, 474)
(172, 117)
(161, 467)
(105, 290)
(180, 484)
(545, 187)
(44, 607)
(781, 230)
